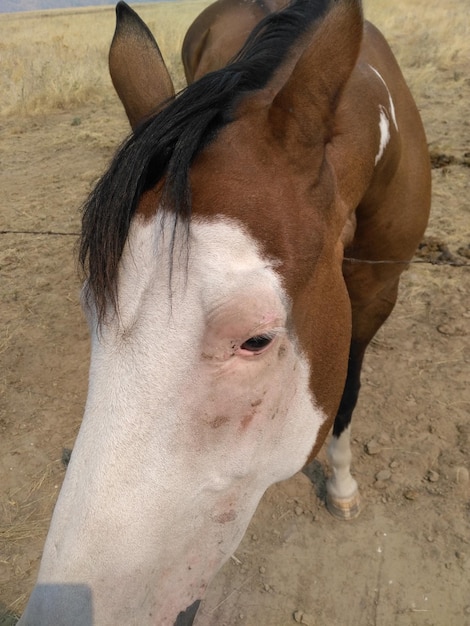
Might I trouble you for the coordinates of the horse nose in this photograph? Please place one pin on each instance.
(186, 618)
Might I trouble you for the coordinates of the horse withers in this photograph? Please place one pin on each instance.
(227, 328)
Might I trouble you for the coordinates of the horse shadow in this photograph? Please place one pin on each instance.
(315, 472)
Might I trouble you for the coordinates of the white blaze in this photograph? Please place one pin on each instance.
(183, 429)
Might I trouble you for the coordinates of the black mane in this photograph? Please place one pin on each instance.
(166, 144)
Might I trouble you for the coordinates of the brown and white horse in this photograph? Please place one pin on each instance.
(222, 311)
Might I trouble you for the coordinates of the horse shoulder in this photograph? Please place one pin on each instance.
(376, 126)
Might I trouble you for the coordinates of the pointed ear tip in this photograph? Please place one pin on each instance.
(123, 10)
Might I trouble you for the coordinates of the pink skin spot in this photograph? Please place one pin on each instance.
(247, 420)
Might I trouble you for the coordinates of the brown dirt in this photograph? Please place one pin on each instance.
(406, 560)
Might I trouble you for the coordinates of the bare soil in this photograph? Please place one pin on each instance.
(406, 560)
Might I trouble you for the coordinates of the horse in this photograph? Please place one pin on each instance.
(220, 31)
(227, 322)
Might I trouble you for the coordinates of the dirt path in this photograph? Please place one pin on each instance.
(406, 560)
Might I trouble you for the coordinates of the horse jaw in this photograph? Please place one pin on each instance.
(183, 429)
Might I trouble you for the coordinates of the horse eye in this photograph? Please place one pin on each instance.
(257, 343)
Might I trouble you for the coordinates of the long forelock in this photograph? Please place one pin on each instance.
(163, 147)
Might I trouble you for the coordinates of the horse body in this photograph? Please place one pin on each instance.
(221, 311)
(220, 31)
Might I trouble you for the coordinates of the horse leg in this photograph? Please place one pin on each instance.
(342, 494)
(343, 499)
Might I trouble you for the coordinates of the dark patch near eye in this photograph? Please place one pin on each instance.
(228, 516)
(257, 402)
(219, 421)
(282, 351)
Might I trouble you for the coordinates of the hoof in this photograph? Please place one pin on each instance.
(344, 509)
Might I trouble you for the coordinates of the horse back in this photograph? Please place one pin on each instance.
(220, 31)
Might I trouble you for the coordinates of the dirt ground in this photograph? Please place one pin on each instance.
(406, 560)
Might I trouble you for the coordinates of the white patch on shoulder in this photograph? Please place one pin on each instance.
(384, 119)
(390, 101)
(384, 133)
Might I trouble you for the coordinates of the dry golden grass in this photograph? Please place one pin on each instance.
(58, 59)
(23, 505)
(426, 36)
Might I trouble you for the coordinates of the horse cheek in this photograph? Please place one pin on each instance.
(322, 314)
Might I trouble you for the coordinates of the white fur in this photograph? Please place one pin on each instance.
(341, 485)
(384, 133)
(390, 100)
(384, 117)
(182, 432)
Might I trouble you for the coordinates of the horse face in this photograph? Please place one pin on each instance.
(198, 401)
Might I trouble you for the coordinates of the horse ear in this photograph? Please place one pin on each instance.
(137, 69)
(310, 94)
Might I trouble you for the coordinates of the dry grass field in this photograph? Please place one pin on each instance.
(58, 59)
(406, 560)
